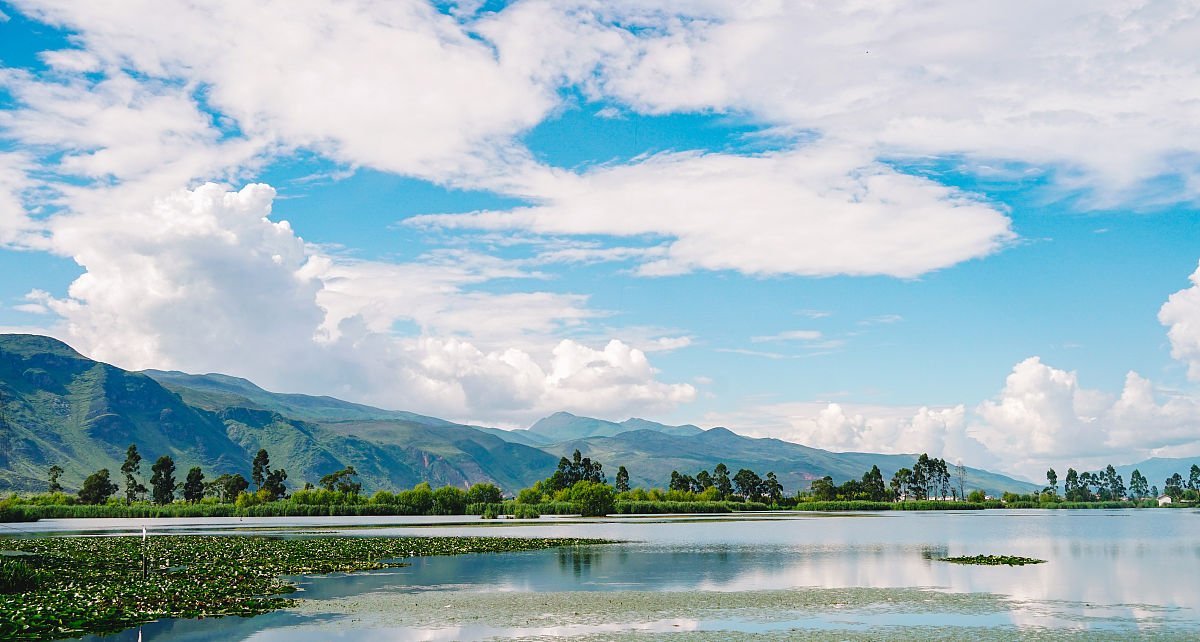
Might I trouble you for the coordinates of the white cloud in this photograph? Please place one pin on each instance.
(395, 86)
(1018, 81)
(816, 211)
(840, 427)
(1181, 313)
(205, 282)
(1043, 416)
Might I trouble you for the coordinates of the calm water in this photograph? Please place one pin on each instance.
(1121, 573)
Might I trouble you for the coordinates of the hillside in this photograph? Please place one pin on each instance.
(563, 426)
(62, 408)
(1156, 470)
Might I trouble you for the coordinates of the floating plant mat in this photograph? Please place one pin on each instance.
(993, 560)
(97, 584)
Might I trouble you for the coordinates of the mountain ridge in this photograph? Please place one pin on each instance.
(82, 414)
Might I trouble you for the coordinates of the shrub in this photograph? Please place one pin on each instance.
(484, 494)
(529, 496)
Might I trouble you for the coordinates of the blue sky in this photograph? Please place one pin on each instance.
(967, 231)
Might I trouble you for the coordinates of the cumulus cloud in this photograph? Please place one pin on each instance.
(1181, 314)
(816, 211)
(1044, 415)
(204, 281)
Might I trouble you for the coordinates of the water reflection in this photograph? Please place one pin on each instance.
(1117, 570)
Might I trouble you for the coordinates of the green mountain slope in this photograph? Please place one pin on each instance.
(62, 408)
(562, 426)
(651, 455)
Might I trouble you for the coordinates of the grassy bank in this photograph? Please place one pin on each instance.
(69, 587)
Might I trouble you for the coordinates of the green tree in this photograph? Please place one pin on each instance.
(721, 480)
(772, 488)
(55, 472)
(274, 484)
(340, 481)
(162, 481)
(872, 482)
(260, 468)
(1116, 485)
(680, 482)
(704, 480)
(592, 499)
(449, 500)
(230, 486)
(97, 488)
(824, 489)
(901, 480)
(1052, 478)
(622, 480)
(1072, 489)
(529, 496)
(1194, 478)
(484, 494)
(1174, 487)
(977, 496)
(1138, 485)
(748, 483)
(132, 468)
(193, 487)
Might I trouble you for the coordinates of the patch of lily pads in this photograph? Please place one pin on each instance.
(993, 560)
(103, 585)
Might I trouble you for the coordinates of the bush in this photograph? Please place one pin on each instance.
(525, 511)
(484, 494)
(592, 499)
(449, 500)
(529, 496)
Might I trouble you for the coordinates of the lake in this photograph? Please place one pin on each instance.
(1110, 574)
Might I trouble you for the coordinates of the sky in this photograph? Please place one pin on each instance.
(955, 227)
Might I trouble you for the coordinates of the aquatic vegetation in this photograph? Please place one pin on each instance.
(993, 560)
(106, 584)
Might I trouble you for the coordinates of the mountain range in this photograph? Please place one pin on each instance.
(59, 407)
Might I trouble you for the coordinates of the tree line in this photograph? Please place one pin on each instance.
(98, 487)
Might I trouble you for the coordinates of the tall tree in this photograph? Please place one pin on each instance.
(1116, 485)
(704, 479)
(341, 482)
(162, 481)
(772, 488)
(193, 486)
(274, 484)
(260, 468)
(1052, 479)
(1194, 478)
(622, 480)
(873, 484)
(132, 468)
(749, 484)
(55, 472)
(960, 476)
(97, 488)
(230, 486)
(721, 480)
(1071, 487)
(900, 482)
(1138, 485)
